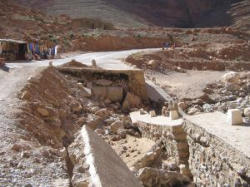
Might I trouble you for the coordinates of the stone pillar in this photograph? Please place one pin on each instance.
(174, 115)
(234, 117)
(93, 62)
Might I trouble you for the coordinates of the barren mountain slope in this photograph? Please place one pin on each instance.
(181, 13)
(22, 23)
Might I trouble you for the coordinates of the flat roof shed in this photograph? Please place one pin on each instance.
(12, 49)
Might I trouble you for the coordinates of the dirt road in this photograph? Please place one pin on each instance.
(185, 85)
(106, 60)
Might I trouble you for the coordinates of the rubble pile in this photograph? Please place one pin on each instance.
(59, 105)
(54, 108)
(232, 92)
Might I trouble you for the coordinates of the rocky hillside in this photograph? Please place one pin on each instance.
(181, 13)
(22, 23)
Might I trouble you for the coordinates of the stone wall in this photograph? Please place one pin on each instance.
(211, 161)
(135, 78)
(174, 140)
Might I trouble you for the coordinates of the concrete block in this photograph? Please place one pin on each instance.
(152, 113)
(234, 117)
(106, 167)
(174, 115)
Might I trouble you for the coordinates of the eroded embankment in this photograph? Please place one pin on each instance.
(49, 116)
(113, 43)
(35, 137)
(53, 150)
(55, 108)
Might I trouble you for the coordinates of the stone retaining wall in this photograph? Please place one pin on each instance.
(135, 78)
(173, 138)
(211, 161)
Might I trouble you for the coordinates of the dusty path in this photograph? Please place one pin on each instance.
(106, 60)
(185, 85)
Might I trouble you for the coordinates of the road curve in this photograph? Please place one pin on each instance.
(16, 77)
(106, 60)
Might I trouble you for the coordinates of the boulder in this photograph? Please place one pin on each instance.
(247, 112)
(142, 111)
(115, 93)
(76, 107)
(148, 159)
(231, 77)
(193, 110)
(122, 133)
(153, 64)
(207, 108)
(110, 120)
(171, 166)
(184, 170)
(131, 101)
(100, 131)
(25, 95)
(232, 86)
(103, 113)
(43, 112)
(159, 177)
(116, 126)
(87, 92)
(182, 105)
(94, 123)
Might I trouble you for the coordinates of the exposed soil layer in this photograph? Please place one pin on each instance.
(202, 56)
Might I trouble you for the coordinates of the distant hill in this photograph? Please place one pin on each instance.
(20, 22)
(136, 13)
